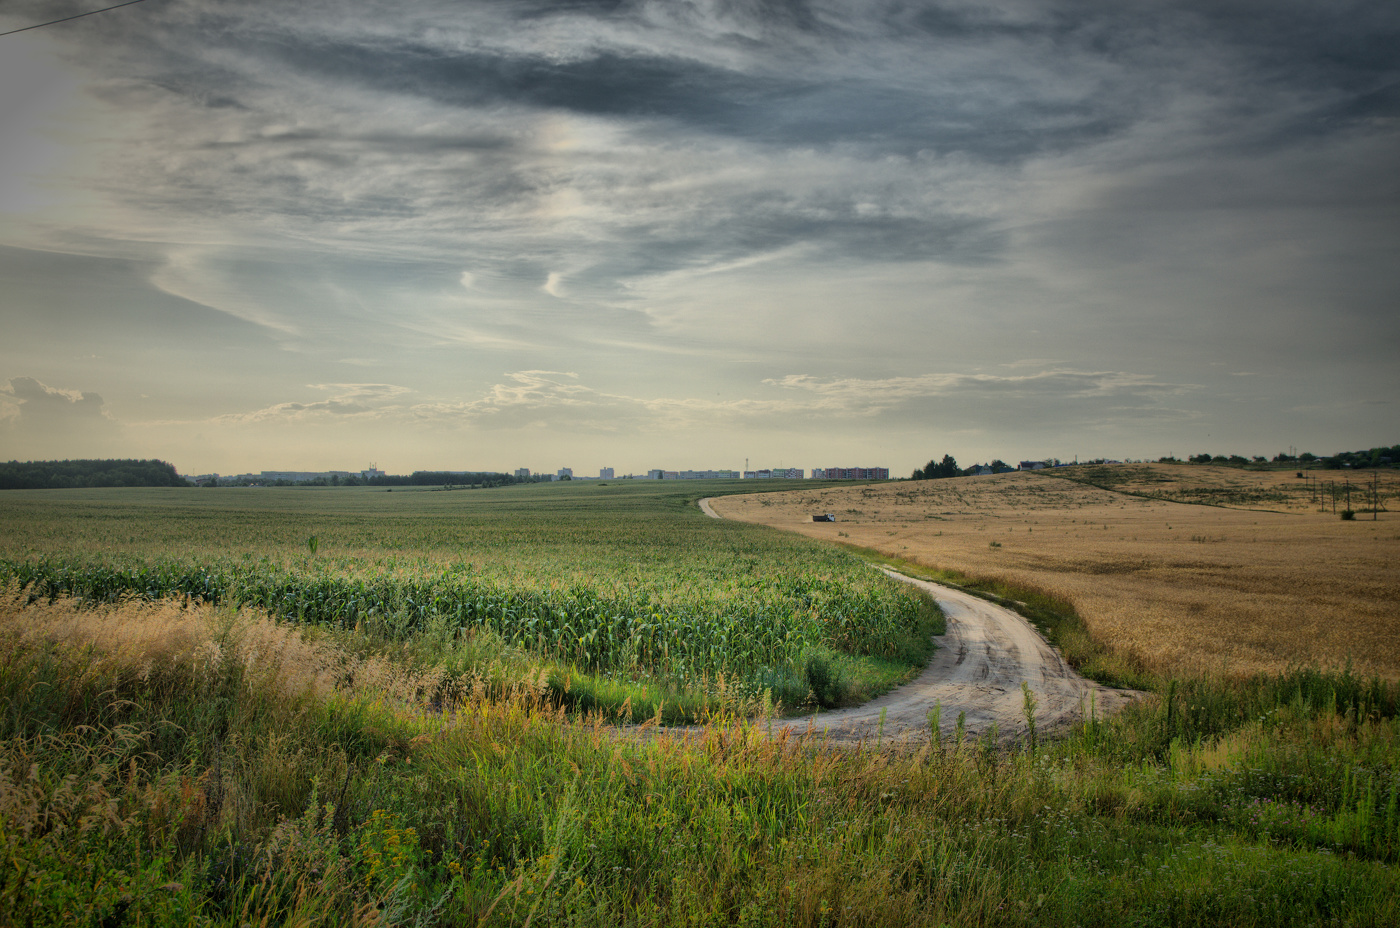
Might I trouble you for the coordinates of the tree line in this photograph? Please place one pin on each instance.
(1372, 457)
(69, 475)
(948, 467)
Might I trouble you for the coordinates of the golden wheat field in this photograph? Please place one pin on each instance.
(1183, 588)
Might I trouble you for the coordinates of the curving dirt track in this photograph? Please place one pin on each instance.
(982, 659)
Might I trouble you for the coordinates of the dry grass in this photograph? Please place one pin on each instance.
(1316, 490)
(189, 643)
(1182, 588)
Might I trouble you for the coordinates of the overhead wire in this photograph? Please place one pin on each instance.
(75, 16)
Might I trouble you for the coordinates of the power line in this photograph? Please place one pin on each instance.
(76, 16)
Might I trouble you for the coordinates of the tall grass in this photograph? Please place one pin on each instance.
(255, 789)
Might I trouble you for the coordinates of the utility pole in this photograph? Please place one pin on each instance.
(1375, 494)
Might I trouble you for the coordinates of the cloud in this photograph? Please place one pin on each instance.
(683, 136)
(536, 399)
(676, 201)
(195, 275)
(1061, 397)
(857, 392)
(31, 400)
(49, 421)
(554, 400)
(347, 401)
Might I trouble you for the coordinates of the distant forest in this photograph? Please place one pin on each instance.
(67, 475)
(1371, 457)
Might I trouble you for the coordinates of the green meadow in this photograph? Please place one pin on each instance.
(327, 707)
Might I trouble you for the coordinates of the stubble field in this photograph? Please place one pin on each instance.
(1179, 588)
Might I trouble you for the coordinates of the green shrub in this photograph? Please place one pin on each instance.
(825, 681)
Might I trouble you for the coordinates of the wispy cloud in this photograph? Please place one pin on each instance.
(861, 393)
(346, 401)
(563, 401)
(187, 273)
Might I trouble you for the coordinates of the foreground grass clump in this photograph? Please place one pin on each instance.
(622, 596)
(170, 765)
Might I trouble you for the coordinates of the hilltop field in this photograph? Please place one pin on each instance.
(1185, 569)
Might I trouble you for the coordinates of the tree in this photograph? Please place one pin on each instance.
(934, 470)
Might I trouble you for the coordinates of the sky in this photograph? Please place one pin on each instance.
(241, 235)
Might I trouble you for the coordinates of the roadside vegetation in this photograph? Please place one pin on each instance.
(166, 761)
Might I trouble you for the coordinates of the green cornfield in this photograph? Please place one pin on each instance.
(625, 580)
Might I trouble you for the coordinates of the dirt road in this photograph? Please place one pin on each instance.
(982, 659)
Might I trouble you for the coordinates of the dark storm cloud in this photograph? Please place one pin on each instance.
(996, 85)
(758, 107)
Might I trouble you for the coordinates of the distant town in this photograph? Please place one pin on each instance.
(373, 476)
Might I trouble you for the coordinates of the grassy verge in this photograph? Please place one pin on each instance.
(161, 766)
